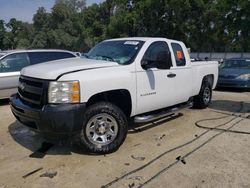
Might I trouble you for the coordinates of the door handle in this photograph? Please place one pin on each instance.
(171, 75)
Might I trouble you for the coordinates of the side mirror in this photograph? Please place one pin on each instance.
(164, 60)
(145, 64)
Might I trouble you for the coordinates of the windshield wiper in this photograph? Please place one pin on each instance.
(106, 57)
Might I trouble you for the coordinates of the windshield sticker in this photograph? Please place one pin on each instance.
(132, 42)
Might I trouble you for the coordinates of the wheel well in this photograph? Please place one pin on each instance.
(120, 98)
(209, 78)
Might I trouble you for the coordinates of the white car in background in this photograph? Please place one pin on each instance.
(11, 63)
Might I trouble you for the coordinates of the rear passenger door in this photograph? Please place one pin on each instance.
(41, 57)
(182, 70)
(10, 67)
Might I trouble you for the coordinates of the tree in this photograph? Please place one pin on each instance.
(203, 25)
(26, 35)
(2, 34)
(11, 38)
(40, 40)
(75, 5)
(40, 19)
(64, 29)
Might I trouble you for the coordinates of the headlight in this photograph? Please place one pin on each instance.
(244, 77)
(64, 92)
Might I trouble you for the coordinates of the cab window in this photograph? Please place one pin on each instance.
(179, 55)
(154, 53)
(14, 62)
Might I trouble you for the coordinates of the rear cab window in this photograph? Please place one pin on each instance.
(178, 54)
(14, 62)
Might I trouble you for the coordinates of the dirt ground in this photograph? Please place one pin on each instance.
(172, 152)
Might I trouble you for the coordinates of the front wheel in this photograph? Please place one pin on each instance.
(104, 128)
(203, 99)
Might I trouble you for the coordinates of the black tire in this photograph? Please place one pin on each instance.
(202, 100)
(114, 112)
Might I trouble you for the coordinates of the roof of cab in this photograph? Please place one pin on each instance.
(143, 39)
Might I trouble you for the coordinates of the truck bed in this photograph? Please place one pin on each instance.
(199, 70)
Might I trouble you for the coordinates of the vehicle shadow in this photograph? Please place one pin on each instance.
(4, 102)
(35, 142)
(230, 106)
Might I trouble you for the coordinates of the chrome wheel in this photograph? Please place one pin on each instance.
(206, 95)
(101, 129)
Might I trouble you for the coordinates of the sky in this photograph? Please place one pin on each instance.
(25, 9)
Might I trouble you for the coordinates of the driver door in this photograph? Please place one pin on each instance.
(155, 84)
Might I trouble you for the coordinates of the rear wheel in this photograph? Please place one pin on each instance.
(104, 128)
(203, 99)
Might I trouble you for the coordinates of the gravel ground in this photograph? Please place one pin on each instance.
(171, 152)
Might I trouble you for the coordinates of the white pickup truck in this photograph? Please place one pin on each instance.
(94, 97)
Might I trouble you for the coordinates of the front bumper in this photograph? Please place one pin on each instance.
(233, 83)
(61, 120)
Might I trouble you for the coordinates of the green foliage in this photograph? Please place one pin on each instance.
(40, 19)
(40, 40)
(74, 5)
(204, 25)
(2, 34)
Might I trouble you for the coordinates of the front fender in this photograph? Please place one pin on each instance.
(105, 79)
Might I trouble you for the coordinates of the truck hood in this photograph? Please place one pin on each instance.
(54, 69)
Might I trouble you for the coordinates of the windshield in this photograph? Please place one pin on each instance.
(121, 51)
(239, 64)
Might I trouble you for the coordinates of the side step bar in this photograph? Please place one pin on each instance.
(154, 116)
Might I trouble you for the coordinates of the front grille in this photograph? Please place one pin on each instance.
(32, 90)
